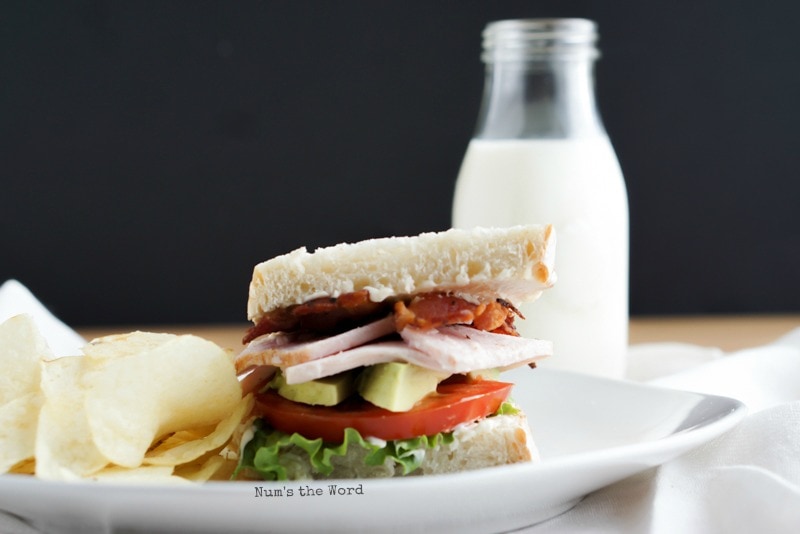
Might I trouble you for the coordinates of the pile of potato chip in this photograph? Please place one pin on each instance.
(134, 407)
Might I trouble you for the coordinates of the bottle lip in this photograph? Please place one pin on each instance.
(536, 39)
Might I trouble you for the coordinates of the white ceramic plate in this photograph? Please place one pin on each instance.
(591, 432)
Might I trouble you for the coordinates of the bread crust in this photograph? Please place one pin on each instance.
(498, 440)
(514, 264)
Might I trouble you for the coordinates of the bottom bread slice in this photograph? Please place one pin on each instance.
(494, 441)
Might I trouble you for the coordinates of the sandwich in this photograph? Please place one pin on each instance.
(384, 357)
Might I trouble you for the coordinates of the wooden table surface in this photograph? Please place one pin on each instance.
(726, 332)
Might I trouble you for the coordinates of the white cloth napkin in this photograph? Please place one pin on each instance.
(15, 299)
(745, 481)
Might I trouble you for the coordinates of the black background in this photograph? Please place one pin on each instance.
(152, 152)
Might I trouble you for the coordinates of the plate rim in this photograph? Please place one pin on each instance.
(644, 454)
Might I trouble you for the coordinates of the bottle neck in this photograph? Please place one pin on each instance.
(539, 80)
(539, 99)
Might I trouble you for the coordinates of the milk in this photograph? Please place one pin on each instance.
(576, 185)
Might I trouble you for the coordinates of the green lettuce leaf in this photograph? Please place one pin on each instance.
(508, 408)
(274, 455)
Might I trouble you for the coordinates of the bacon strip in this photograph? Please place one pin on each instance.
(327, 316)
(322, 315)
(432, 310)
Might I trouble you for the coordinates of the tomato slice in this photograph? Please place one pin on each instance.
(454, 402)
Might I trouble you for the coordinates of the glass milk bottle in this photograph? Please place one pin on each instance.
(540, 154)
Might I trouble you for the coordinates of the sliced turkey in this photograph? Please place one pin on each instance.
(283, 350)
(372, 354)
(452, 349)
(463, 349)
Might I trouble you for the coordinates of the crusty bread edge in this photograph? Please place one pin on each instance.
(490, 442)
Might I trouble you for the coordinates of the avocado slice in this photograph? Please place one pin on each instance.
(328, 391)
(396, 386)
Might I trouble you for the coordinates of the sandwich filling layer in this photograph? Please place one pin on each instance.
(434, 330)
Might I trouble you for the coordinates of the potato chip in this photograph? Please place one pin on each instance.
(140, 386)
(172, 453)
(97, 416)
(25, 467)
(21, 350)
(64, 446)
(179, 438)
(18, 420)
(204, 471)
